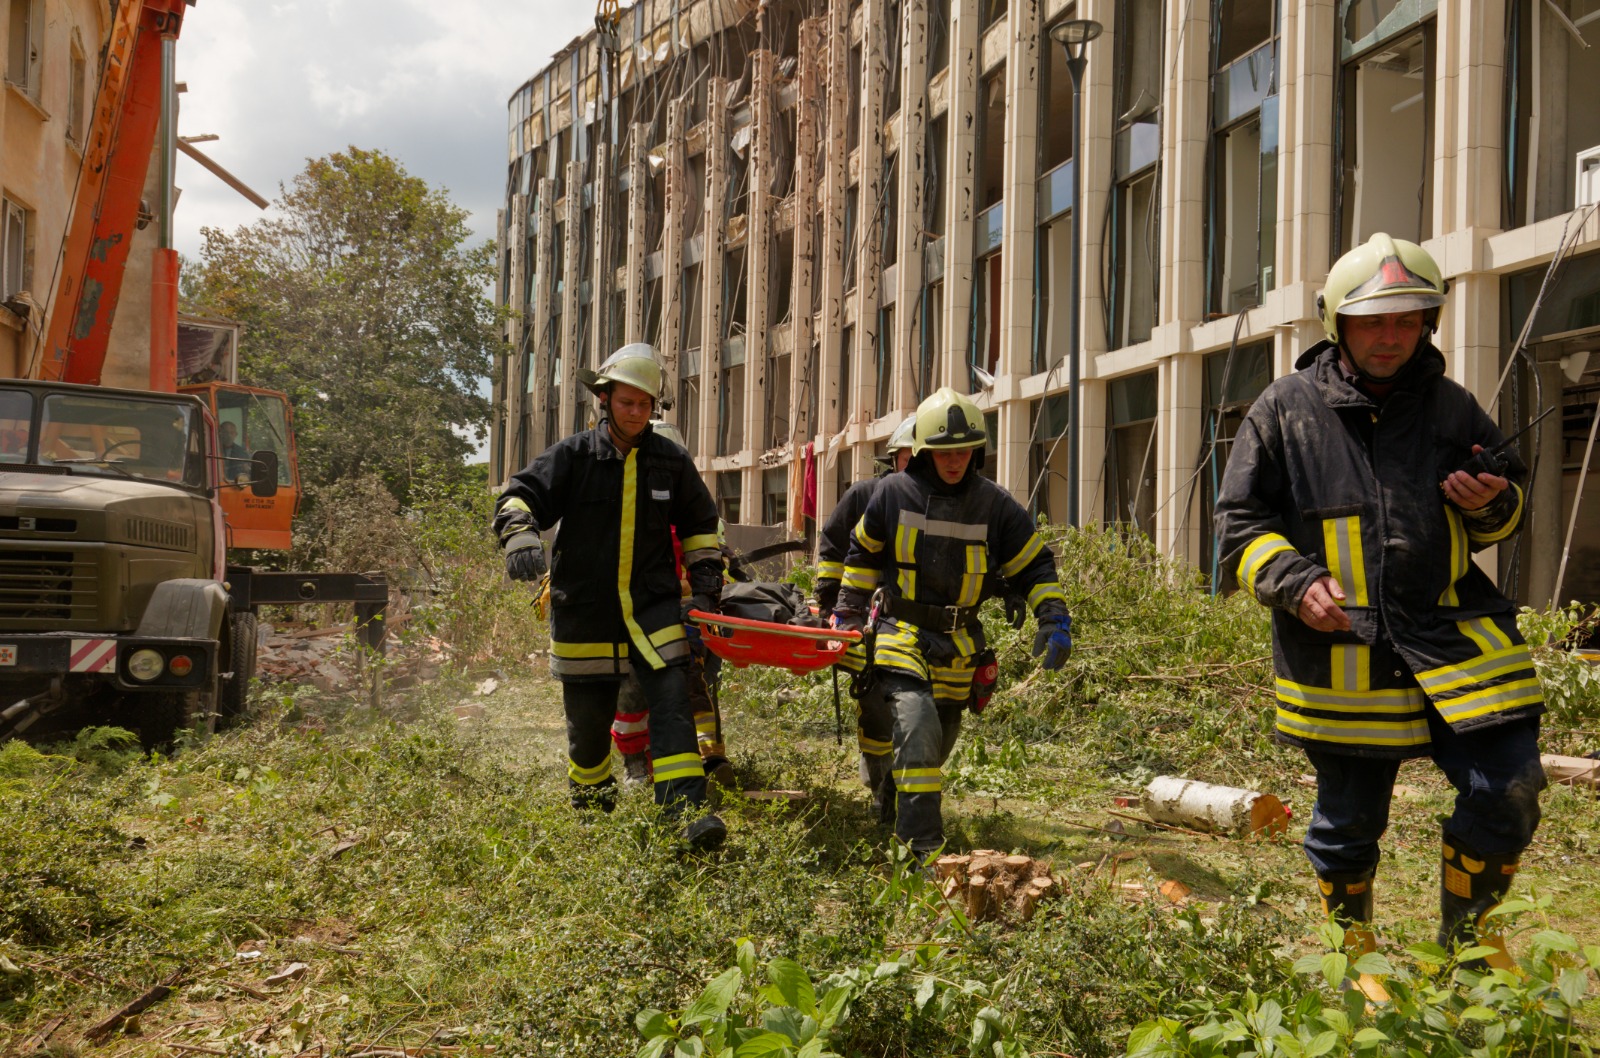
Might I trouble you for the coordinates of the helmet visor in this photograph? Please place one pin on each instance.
(1383, 304)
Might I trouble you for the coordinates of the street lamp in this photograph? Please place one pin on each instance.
(1074, 36)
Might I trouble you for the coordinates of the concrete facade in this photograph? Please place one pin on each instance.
(820, 210)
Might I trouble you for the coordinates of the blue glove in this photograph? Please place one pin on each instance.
(525, 556)
(1053, 640)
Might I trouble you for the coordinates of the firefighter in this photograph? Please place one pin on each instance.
(1345, 511)
(918, 562)
(874, 728)
(619, 493)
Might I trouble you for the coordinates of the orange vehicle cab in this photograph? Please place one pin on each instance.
(251, 422)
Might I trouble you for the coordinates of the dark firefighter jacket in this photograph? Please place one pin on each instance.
(613, 580)
(834, 540)
(1324, 481)
(938, 545)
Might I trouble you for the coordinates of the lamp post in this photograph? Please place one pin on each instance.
(1074, 36)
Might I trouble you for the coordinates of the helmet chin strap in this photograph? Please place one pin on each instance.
(631, 440)
(1359, 371)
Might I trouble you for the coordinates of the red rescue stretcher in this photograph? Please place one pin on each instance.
(741, 641)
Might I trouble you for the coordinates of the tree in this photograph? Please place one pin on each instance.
(365, 304)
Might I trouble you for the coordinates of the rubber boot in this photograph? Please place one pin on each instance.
(1471, 885)
(706, 833)
(721, 772)
(636, 769)
(1348, 898)
(877, 771)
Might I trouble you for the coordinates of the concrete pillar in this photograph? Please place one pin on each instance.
(571, 355)
(713, 310)
(603, 273)
(1017, 273)
(498, 395)
(869, 224)
(1181, 389)
(962, 82)
(1306, 161)
(912, 172)
(1185, 115)
(541, 348)
(638, 197)
(672, 227)
(758, 248)
(1545, 527)
(807, 240)
(831, 388)
(1092, 167)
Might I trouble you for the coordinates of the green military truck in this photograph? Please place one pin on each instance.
(116, 599)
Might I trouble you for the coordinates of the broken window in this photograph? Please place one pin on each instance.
(730, 399)
(938, 35)
(778, 402)
(1555, 49)
(692, 329)
(1241, 223)
(845, 474)
(932, 339)
(16, 250)
(735, 290)
(26, 45)
(699, 74)
(1233, 380)
(990, 12)
(985, 320)
(729, 492)
(780, 279)
(991, 146)
(852, 203)
(775, 496)
(1055, 302)
(1055, 104)
(694, 201)
(813, 394)
(847, 342)
(77, 91)
(1047, 458)
(689, 399)
(884, 366)
(653, 303)
(1384, 142)
(1136, 232)
(991, 458)
(891, 57)
(887, 218)
(738, 173)
(1130, 452)
(852, 121)
(934, 194)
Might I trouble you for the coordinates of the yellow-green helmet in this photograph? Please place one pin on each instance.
(1382, 275)
(633, 365)
(901, 438)
(662, 428)
(948, 421)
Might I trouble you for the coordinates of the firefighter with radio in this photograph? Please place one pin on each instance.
(928, 543)
(619, 493)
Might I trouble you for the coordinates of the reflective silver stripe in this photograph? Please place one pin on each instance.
(1483, 667)
(1406, 733)
(1399, 700)
(588, 666)
(940, 527)
(691, 558)
(1491, 700)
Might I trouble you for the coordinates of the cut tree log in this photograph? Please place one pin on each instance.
(1174, 800)
(1571, 771)
(977, 898)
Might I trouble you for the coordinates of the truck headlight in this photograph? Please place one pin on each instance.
(145, 665)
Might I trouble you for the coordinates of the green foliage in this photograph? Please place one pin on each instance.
(366, 305)
(1439, 1004)
(106, 749)
(1571, 684)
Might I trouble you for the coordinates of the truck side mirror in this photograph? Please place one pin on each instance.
(265, 480)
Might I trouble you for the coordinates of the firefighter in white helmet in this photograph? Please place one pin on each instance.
(619, 493)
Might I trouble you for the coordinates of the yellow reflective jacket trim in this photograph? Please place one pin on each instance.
(1257, 554)
(830, 570)
(1354, 732)
(1029, 552)
(515, 503)
(669, 634)
(873, 747)
(1495, 699)
(1043, 592)
(1328, 699)
(1341, 541)
(630, 497)
(1488, 636)
(589, 776)
(588, 650)
(703, 542)
(918, 780)
(977, 564)
(865, 539)
(1484, 667)
(1460, 555)
(860, 577)
(905, 544)
(906, 578)
(1352, 667)
(678, 766)
(1496, 535)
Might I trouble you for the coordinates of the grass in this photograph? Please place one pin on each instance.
(441, 893)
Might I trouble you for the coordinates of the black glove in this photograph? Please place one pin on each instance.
(525, 556)
(849, 620)
(827, 595)
(1016, 610)
(704, 603)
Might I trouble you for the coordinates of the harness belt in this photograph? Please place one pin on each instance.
(946, 619)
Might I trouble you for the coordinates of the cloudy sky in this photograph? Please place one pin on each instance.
(424, 80)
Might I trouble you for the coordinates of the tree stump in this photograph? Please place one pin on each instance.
(992, 886)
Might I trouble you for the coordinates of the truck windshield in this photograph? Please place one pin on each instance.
(16, 425)
(247, 422)
(122, 437)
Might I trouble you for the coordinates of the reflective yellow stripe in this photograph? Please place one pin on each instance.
(896, 648)
(865, 539)
(1352, 667)
(705, 724)
(1260, 551)
(515, 503)
(1029, 552)
(830, 570)
(630, 495)
(905, 544)
(872, 747)
(906, 579)
(963, 642)
(1484, 667)
(1459, 556)
(589, 776)
(1495, 699)
(667, 635)
(854, 658)
(1354, 732)
(1045, 591)
(588, 650)
(860, 577)
(918, 780)
(595, 667)
(1329, 699)
(1341, 541)
(679, 766)
(972, 577)
(1505, 530)
(703, 542)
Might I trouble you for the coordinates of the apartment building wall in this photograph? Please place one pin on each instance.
(821, 210)
(51, 50)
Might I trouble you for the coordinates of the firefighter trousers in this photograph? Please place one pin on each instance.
(1495, 771)
(680, 779)
(923, 733)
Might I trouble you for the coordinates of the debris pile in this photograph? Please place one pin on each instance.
(328, 657)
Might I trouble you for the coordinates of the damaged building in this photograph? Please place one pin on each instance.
(819, 211)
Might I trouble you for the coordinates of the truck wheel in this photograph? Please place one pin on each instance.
(163, 715)
(241, 656)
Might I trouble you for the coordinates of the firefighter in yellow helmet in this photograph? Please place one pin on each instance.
(1348, 508)
(619, 494)
(919, 558)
